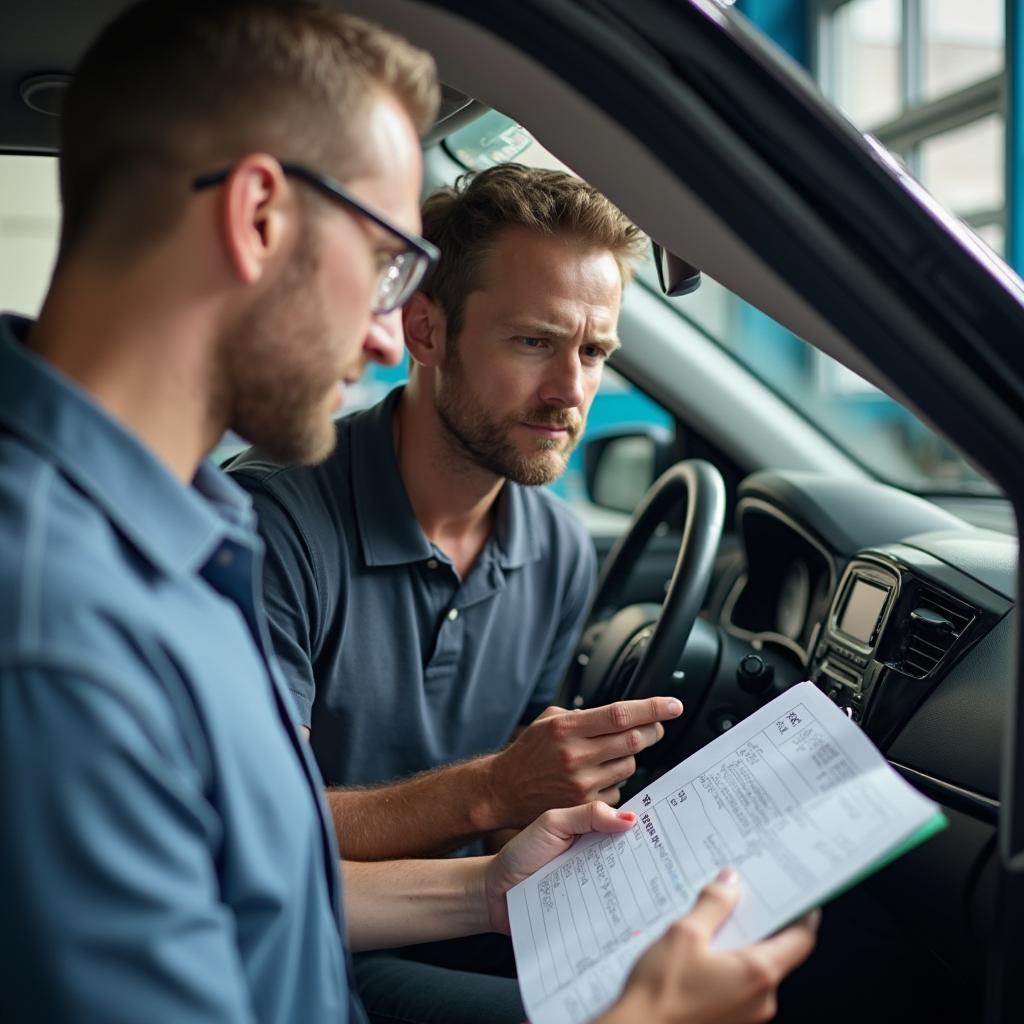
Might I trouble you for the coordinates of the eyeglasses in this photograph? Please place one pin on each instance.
(404, 270)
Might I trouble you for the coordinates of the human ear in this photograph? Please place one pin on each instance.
(257, 213)
(424, 325)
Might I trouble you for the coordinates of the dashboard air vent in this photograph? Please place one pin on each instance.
(936, 623)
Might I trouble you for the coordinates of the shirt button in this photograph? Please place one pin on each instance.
(453, 614)
(431, 563)
(225, 557)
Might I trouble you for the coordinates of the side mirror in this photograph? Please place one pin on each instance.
(676, 276)
(619, 468)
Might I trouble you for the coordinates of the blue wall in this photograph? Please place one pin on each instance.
(785, 22)
(1014, 135)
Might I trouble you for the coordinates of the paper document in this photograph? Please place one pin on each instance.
(795, 797)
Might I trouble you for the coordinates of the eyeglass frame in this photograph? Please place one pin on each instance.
(333, 189)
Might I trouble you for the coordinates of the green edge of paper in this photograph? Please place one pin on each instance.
(931, 827)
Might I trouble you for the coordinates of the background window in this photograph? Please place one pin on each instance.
(866, 52)
(961, 43)
(963, 167)
(29, 226)
(928, 79)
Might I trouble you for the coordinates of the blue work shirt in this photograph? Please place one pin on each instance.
(165, 854)
(396, 662)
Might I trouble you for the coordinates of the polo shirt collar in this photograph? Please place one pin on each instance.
(175, 527)
(517, 541)
(389, 532)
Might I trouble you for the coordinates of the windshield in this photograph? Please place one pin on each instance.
(874, 429)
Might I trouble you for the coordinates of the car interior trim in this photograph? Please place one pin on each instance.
(966, 801)
(743, 508)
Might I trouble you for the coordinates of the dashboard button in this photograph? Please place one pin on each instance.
(754, 674)
(724, 721)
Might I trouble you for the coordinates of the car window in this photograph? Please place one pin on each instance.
(878, 432)
(888, 440)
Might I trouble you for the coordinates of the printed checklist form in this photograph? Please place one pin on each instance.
(795, 797)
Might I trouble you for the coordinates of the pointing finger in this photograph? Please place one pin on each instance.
(620, 716)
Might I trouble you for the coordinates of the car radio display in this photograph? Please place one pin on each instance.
(864, 603)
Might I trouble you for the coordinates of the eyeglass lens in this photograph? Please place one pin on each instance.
(398, 281)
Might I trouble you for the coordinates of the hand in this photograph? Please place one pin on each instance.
(682, 980)
(566, 758)
(551, 834)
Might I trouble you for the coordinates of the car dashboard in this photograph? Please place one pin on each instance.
(896, 609)
(900, 612)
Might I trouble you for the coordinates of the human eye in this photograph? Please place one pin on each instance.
(530, 341)
(595, 353)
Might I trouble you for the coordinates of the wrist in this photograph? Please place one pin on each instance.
(486, 894)
(477, 888)
(487, 811)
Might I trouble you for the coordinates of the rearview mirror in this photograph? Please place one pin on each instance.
(676, 276)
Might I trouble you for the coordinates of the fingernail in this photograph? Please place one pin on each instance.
(627, 816)
(675, 707)
(727, 876)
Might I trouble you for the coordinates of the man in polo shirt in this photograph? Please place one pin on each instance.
(421, 578)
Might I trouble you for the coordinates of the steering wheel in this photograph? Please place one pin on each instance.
(633, 652)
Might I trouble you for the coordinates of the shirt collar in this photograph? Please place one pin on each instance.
(517, 541)
(175, 527)
(388, 529)
(389, 532)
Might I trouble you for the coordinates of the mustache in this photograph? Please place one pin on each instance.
(570, 419)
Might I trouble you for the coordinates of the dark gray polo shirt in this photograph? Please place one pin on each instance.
(396, 664)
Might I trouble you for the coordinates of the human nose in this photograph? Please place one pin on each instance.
(563, 386)
(385, 341)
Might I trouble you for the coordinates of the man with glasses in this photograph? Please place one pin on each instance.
(164, 850)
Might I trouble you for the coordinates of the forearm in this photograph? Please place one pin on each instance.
(398, 903)
(428, 814)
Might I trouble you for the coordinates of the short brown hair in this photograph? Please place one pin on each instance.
(173, 88)
(464, 221)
